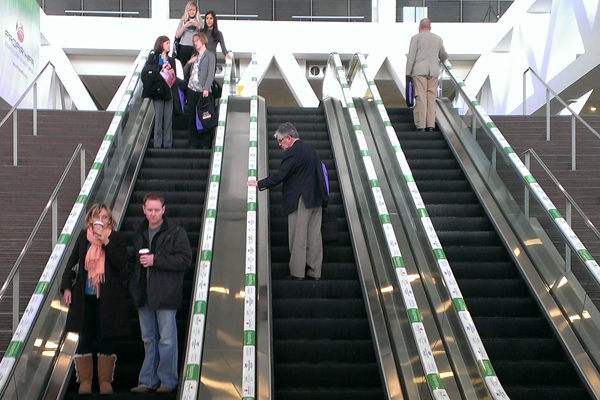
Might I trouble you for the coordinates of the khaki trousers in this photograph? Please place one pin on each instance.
(306, 245)
(425, 96)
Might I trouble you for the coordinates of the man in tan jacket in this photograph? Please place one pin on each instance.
(423, 64)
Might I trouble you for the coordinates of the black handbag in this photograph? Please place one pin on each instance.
(330, 230)
(216, 89)
(206, 115)
(176, 47)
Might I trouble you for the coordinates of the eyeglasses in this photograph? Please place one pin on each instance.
(281, 140)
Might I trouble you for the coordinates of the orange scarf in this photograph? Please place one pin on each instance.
(94, 260)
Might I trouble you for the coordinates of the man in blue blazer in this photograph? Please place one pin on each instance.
(300, 173)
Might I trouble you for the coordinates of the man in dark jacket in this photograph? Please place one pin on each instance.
(300, 172)
(156, 289)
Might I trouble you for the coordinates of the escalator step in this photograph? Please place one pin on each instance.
(473, 238)
(319, 308)
(545, 392)
(323, 351)
(331, 270)
(448, 197)
(480, 253)
(489, 270)
(523, 349)
(501, 289)
(551, 373)
(513, 306)
(320, 328)
(284, 289)
(335, 374)
(461, 224)
(455, 210)
(444, 186)
(512, 327)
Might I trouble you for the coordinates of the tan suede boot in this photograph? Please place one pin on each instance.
(84, 368)
(106, 368)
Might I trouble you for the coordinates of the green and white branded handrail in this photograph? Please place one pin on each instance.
(559, 221)
(32, 311)
(195, 340)
(250, 297)
(426, 357)
(475, 344)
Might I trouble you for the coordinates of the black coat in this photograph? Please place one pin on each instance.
(300, 171)
(154, 86)
(114, 318)
(172, 256)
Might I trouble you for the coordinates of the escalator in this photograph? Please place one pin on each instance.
(322, 342)
(180, 175)
(527, 357)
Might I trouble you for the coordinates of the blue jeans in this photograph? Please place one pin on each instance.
(159, 333)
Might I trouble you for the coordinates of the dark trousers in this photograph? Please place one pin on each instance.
(184, 54)
(204, 139)
(91, 328)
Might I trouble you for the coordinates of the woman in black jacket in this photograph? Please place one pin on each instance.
(158, 60)
(95, 295)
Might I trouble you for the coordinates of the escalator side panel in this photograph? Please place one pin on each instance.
(221, 372)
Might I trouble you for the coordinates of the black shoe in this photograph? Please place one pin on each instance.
(429, 129)
(312, 278)
(420, 129)
(294, 278)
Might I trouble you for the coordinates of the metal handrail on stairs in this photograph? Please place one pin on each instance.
(13, 276)
(13, 111)
(574, 116)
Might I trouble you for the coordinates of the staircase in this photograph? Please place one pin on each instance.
(525, 132)
(524, 352)
(27, 187)
(322, 344)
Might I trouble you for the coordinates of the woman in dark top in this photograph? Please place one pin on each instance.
(159, 59)
(213, 34)
(95, 296)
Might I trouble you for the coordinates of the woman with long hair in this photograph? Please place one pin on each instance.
(201, 72)
(189, 25)
(213, 34)
(159, 59)
(95, 295)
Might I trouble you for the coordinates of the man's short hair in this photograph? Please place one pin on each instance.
(154, 196)
(425, 23)
(286, 129)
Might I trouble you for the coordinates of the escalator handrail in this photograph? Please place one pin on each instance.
(359, 65)
(32, 311)
(524, 174)
(434, 381)
(193, 353)
(250, 290)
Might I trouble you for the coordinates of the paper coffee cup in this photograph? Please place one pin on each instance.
(144, 251)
